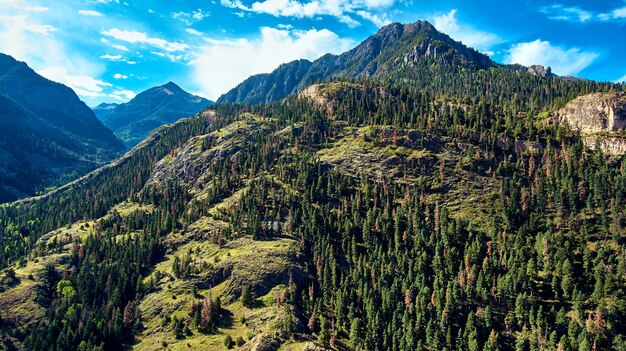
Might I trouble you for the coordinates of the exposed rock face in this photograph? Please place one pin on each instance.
(539, 70)
(262, 342)
(597, 112)
(610, 145)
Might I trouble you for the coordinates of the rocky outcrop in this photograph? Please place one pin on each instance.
(601, 119)
(597, 112)
(614, 145)
(539, 70)
(262, 342)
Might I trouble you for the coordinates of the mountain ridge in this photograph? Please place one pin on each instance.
(48, 133)
(134, 120)
(393, 44)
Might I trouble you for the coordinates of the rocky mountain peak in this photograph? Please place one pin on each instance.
(164, 104)
(392, 47)
(170, 87)
(540, 70)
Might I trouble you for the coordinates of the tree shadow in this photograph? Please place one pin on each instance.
(226, 319)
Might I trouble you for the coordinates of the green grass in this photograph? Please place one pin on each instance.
(172, 296)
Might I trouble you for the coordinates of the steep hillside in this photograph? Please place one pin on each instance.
(394, 45)
(47, 134)
(264, 88)
(134, 120)
(361, 215)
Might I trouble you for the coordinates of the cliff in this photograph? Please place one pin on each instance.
(597, 112)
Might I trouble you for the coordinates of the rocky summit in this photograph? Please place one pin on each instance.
(392, 47)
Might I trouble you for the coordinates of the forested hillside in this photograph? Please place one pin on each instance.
(47, 135)
(439, 207)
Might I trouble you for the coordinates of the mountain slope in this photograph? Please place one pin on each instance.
(350, 219)
(165, 104)
(47, 133)
(394, 45)
(270, 87)
(104, 109)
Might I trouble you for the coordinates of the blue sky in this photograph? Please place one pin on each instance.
(110, 50)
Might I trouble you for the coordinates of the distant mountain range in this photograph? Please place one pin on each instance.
(104, 109)
(47, 134)
(134, 120)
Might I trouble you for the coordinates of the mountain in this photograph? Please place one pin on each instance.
(436, 207)
(104, 109)
(134, 120)
(394, 45)
(47, 134)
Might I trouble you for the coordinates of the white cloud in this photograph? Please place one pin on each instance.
(563, 61)
(112, 57)
(559, 12)
(18, 32)
(122, 95)
(120, 76)
(192, 17)
(82, 84)
(119, 47)
(378, 20)
(172, 57)
(341, 9)
(193, 32)
(448, 24)
(36, 8)
(44, 29)
(349, 21)
(114, 46)
(563, 13)
(143, 38)
(621, 80)
(619, 13)
(222, 64)
(25, 36)
(117, 58)
(90, 13)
